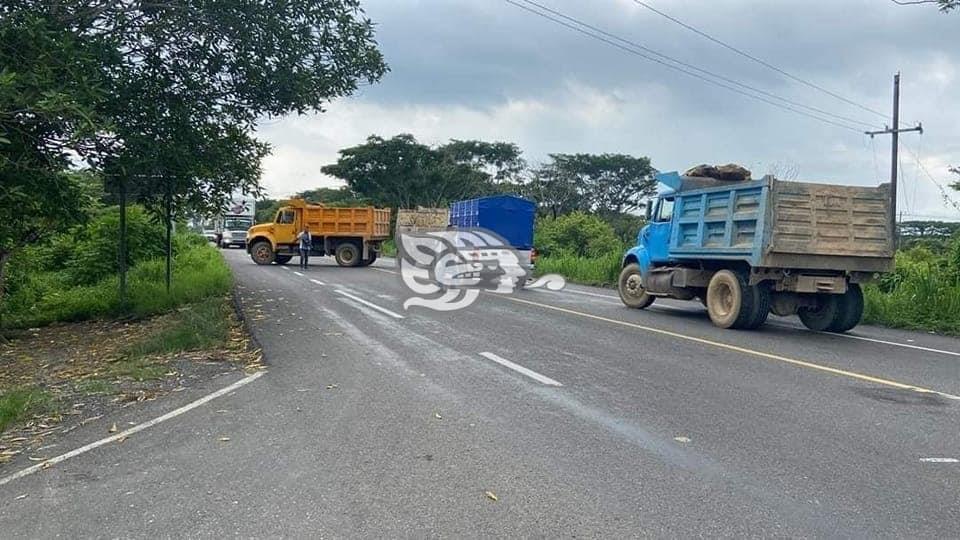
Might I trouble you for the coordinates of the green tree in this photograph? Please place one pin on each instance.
(402, 173)
(555, 192)
(48, 93)
(502, 161)
(163, 97)
(615, 183)
(341, 196)
(266, 210)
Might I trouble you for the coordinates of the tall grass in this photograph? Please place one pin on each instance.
(197, 326)
(602, 270)
(921, 294)
(199, 272)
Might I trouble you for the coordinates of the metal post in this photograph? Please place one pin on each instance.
(169, 215)
(123, 242)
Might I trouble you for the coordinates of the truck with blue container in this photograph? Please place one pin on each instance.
(749, 248)
(509, 216)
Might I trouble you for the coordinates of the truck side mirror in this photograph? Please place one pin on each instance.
(648, 210)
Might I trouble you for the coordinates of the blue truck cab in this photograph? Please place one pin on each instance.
(749, 248)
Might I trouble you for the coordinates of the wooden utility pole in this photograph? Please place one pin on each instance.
(894, 151)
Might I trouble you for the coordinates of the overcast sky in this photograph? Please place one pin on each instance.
(485, 69)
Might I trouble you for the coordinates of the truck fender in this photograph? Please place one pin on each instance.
(639, 255)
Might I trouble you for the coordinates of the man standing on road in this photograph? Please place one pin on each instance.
(305, 242)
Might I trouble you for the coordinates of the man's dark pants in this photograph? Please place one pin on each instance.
(304, 258)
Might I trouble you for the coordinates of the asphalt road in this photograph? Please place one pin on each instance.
(626, 423)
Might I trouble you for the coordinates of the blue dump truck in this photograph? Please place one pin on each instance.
(509, 216)
(753, 247)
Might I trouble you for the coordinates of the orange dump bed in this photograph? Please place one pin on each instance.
(369, 222)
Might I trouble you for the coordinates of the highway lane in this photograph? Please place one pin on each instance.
(368, 424)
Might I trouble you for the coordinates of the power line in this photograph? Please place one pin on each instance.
(758, 60)
(674, 67)
(943, 191)
(696, 68)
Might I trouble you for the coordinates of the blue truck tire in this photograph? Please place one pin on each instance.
(849, 310)
(733, 303)
(630, 287)
(822, 317)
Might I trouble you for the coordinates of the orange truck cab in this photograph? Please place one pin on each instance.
(352, 235)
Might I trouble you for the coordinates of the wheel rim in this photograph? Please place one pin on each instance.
(634, 286)
(723, 300)
(263, 253)
(347, 255)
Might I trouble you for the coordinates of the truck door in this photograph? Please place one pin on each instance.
(286, 225)
(657, 234)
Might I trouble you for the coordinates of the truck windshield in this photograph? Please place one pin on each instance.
(237, 224)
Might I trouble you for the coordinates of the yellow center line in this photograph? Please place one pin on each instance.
(727, 346)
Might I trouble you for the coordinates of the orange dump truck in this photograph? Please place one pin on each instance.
(352, 235)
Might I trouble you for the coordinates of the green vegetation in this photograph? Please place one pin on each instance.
(46, 290)
(577, 234)
(19, 403)
(602, 270)
(95, 386)
(197, 326)
(923, 293)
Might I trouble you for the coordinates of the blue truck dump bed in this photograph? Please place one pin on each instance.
(774, 223)
(509, 216)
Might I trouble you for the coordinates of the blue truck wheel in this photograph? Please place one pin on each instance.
(849, 310)
(733, 303)
(630, 287)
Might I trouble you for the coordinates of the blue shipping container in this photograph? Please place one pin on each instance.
(507, 215)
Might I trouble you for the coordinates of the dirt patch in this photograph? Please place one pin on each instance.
(67, 375)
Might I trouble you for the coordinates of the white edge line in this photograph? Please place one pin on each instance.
(370, 304)
(317, 282)
(520, 369)
(385, 270)
(284, 267)
(126, 433)
(940, 460)
(298, 273)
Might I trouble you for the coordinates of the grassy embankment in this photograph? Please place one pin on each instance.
(195, 315)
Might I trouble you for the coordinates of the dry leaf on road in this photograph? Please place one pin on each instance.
(113, 428)
(224, 439)
(492, 496)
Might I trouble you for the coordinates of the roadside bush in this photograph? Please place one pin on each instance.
(577, 234)
(199, 272)
(94, 254)
(603, 270)
(922, 293)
